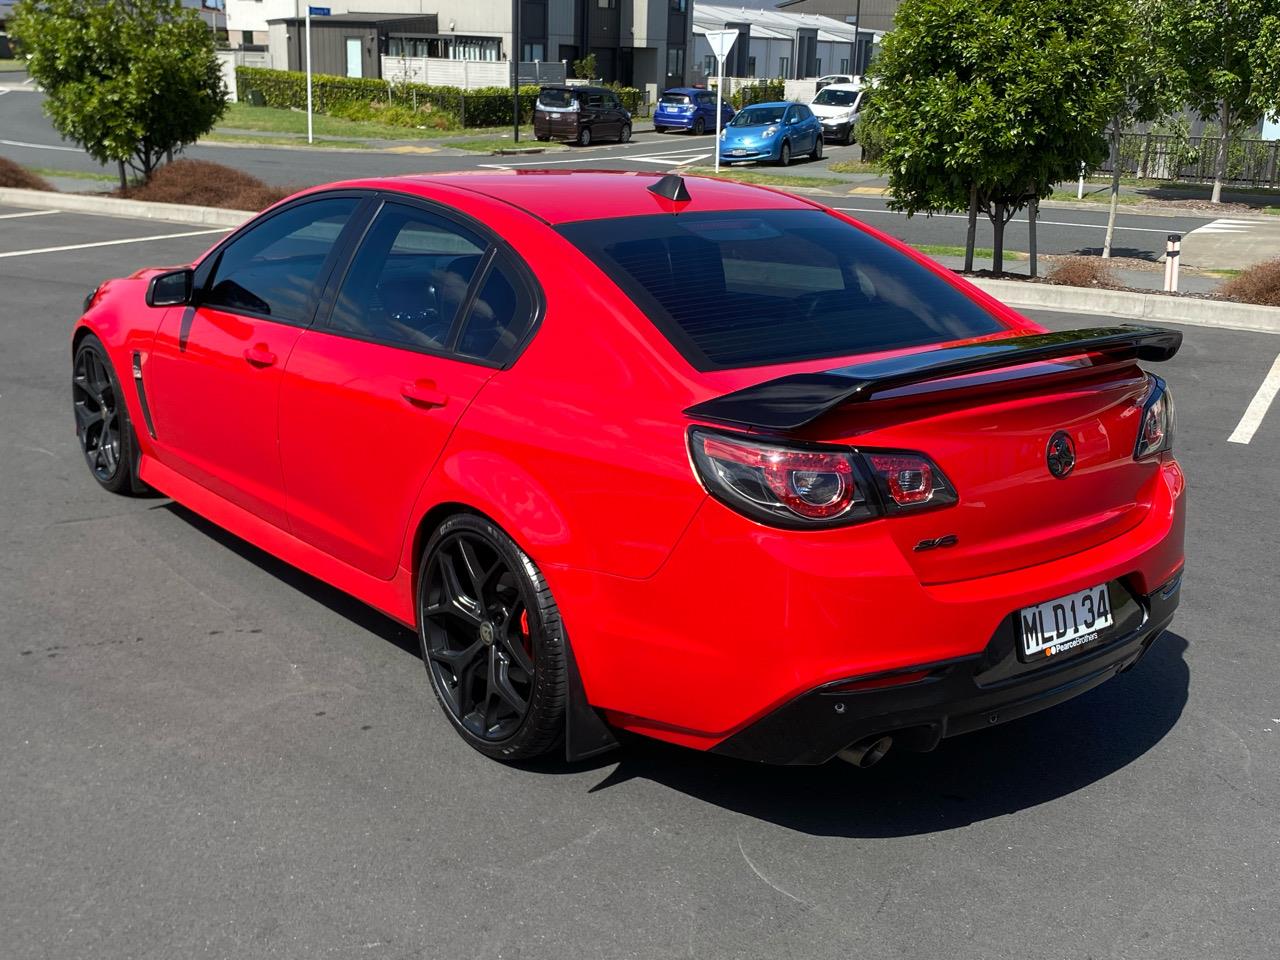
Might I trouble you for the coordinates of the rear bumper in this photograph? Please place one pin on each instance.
(674, 122)
(956, 697)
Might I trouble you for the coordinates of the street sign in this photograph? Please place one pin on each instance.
(721, 41)
(320, 11)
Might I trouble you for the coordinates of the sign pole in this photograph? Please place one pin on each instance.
(721, 42)
(309, 136)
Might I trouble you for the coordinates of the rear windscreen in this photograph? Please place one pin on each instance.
(678, 99)
(748, 288)
(555, 99)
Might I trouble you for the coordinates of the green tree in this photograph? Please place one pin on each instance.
(129, 80)
(985, 104)
(1228, 53)
(1144, 85)
(585, 69)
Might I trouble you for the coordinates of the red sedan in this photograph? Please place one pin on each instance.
(688, 458)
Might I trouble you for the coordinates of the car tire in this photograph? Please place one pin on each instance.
(848, 136)
(584, 137)
(103, 428)
(542, 139)
(816, 153)
(699, 127)
(624, 135)
(492, 640)
(784, 155)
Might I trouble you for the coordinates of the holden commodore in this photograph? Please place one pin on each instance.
(683, 457)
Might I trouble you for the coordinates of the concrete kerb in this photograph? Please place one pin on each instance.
(1132, 306)
(130, 209)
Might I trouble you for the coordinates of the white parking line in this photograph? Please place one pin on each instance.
(1258, 406)
(111, 243)
(39, 146)
(963, 216)
(27, 213)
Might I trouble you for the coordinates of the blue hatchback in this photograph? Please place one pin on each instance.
(689, 108)
(772, 131)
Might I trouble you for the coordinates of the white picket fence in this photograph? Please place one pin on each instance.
(467, 74)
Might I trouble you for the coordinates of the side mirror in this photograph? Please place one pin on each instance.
(172, 289)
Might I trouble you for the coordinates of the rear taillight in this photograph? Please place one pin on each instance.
(784, 483)
(1156, 426)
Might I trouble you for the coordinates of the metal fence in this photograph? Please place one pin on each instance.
(1155, 156)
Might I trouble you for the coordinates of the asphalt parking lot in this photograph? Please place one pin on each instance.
(208, 754)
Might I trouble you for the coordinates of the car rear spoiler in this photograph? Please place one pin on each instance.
(790, 402)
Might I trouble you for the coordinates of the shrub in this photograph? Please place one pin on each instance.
(431, 106)
(205, 184)
(1085, 272)
(870, 136)
(1258, 284)
(20, 178)
(762, 91)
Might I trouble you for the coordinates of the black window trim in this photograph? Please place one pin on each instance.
(208, 266)
(496, 249)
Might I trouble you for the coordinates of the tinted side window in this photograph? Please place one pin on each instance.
(408, 280)
(499, 318)
(595, 101)
(272, 268)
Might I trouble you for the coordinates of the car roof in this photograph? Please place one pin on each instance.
(851, 87)
(563, 196)
(773, 103)
(686, 90)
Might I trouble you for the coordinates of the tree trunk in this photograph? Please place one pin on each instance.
(997, 250)
(124, 180)
(1220, 168)
(1033, 214)
(972, 236)
(1115, 187)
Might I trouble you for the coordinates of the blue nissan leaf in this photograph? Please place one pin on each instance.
(775, 132)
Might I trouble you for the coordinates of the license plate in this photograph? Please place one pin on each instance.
(738, 153)
(1068, 623)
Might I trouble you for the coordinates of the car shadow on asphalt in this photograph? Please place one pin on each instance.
(1129, 253)
(977, 777)
(968, 779)
(343, 604)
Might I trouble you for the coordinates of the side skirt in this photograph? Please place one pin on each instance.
(393, 597)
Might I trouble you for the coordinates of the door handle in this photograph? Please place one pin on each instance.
(423, 393)
(259, 355)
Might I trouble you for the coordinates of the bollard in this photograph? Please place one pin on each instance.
(1080, 189)
(1172, 250)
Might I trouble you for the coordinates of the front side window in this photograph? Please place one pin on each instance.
(750, 288)
(271, 270)
(408, 280)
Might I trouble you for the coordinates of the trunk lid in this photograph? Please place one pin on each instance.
(991, 442)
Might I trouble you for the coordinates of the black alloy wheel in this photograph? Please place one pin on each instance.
(584, 137)
(102, 420)
(699, 127)
(624, 135)
(492, 640)
(816, 153)
(784, 155)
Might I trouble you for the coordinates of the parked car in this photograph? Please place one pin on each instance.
(837, 107)
(755, 479)
(775, 132)
(691, 109)
(581, 115)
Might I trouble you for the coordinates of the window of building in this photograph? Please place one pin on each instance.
(679, 6)
(819, 66)
(844, 65)
(246, 37)
(675, 61)
(751, 66)
(784, 67)
(709, 65)
(606, 4)
(533, 51)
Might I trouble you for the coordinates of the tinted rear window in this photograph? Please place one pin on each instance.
(555, 99)
(679, 99)
(748, 288)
